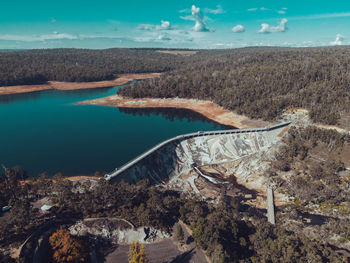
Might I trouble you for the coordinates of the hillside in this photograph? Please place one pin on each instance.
(257, 82)
(261, 82)
(79, 65)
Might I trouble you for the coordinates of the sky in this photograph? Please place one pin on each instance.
(208, 24)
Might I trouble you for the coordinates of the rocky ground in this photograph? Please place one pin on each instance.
(165, 250)
(117, 230)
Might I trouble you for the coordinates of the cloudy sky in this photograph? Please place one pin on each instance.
(180, 23)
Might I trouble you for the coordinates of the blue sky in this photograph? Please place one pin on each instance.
(180, 23)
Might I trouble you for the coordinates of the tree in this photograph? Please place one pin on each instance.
(137, 253)
(63, 188)
(275, 244)
(6, 259)
(67, 248)
(4, 230)
(20, 214)
(10, 182)
(180, 234)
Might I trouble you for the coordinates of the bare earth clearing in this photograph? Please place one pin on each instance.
(301, 116)
(57, 85)
(206, 108)
(178, 52)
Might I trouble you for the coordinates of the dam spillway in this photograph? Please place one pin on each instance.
(177, 155)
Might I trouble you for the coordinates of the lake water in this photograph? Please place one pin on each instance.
(46, 132)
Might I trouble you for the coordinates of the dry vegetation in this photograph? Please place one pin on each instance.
(218, 229)
(120, 80)
(261, 82)
(256, 82)
(30, 67)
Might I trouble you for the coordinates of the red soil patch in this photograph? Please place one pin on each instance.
(76, 178)
(206, 108)
(283, 131)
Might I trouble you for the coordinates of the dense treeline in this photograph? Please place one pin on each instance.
(314, 155)
(39, 66)
(311, 169)
(261, 83)
(219, 229)
(258, 82)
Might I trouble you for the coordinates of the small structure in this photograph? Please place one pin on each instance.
(46, 207)
(6, 208)
(270, 206)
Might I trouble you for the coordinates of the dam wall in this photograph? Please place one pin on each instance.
(178, 155)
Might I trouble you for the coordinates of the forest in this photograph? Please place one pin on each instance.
(258, 82)
(316, 156)
(261, 82)
(79, 65)
(218, 229)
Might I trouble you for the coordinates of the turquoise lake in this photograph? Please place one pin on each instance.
(47, 132)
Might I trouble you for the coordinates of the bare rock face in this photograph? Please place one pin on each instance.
(178, 158)
(112, 230)
(202, 165)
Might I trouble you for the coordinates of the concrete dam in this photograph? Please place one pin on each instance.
(180, 154)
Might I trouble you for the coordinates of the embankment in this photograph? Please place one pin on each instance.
(208, 109)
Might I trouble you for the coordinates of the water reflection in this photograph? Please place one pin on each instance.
(13, 98)
(173, 114)
(78, 94)
(46, 132)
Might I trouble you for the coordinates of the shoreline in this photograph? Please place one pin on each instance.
(60, 85)
(207, 109)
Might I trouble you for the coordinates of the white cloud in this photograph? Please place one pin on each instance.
(321, 16)
(256, 9)
(216, 11)
(189, 18)
(225, 45)
(165, 25)
(146, 27)
(185, 10)
(282, 12)
(266, 28)
(200, 25)
(164, 37)
(33, 38)
(238, 29)
(284, 8)
(171, 37)
(338, 40)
